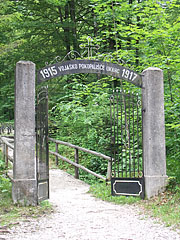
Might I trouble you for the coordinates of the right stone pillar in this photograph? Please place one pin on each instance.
(154, 150)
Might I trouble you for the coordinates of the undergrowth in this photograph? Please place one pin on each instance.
(103, 191)
(11, 214)
(165, 206)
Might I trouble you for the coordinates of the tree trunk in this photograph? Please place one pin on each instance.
(65, 26)
(73, 22)
(67, 30)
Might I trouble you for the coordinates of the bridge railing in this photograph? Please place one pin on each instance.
(76, 159)
(6, 129)
(7, 144)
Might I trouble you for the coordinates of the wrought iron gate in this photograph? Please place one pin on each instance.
(126, 144)
(42, 149)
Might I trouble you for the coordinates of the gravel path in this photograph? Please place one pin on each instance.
(79, 216)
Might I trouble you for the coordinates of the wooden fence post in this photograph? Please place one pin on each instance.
(109, 171)
(4, 151)
(6, 155)
(56, 152)
(76, 161)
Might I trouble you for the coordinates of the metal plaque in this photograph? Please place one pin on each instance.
(127, 187)
(89, 66)
(43, 190)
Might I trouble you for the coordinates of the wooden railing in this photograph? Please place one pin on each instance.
(7, 143)
(76, 159)
(6, 129)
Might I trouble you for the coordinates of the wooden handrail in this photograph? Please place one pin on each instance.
(76, 163)
(7, 142)
(80, 148)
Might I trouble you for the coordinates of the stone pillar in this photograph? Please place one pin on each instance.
(153, 132)
(24, 190)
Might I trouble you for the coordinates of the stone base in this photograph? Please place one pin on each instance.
(154, 185)
(24, 192)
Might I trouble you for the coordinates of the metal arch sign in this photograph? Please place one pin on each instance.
(89, 66)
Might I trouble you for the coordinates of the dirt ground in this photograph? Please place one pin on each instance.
(80, 216)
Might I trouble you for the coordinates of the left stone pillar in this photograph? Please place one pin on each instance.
(24, 190)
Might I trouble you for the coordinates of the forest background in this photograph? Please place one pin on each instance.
(139, 33)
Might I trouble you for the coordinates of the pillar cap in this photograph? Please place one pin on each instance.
(25, 62)
(152, 69)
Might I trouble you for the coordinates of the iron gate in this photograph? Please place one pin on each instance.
(126, 144)
(42, 148)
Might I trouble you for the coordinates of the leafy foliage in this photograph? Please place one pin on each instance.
(138, 33)
(9, 213)
(164, 207)
(84, 121)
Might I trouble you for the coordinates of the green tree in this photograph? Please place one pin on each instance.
(138, 33)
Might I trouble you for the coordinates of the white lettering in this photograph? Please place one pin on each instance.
(61, 68)
(68, 67)
(49, 72)
(92, 66)
(129, 74)
(73, 66)
(112, 69)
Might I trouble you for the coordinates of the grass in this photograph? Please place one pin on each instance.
(165, 207)
(10, 214)
(103, 191)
